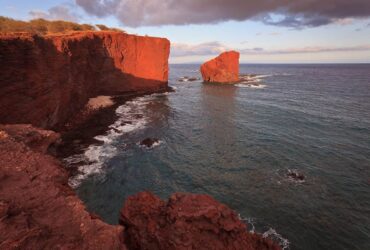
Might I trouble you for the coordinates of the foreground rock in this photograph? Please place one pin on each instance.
(186, 221)
(38, 210)
(46, 80)
(222, 69)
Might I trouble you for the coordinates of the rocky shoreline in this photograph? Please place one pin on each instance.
(38, 209)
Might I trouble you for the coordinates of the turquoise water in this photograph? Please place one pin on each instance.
(237, 143)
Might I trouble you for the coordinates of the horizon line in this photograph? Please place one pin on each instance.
(299, 63)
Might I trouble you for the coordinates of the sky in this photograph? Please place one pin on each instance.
(263, 31)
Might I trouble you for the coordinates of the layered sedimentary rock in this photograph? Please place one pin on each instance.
(185, 221)
(222, 69)
(45, 80)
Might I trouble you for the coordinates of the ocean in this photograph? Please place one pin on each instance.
(239, 144)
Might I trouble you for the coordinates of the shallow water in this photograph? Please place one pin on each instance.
(237, 143)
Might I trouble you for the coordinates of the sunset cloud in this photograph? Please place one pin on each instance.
(180, 49)
(215, 48)
(55, 13)
(289, 13)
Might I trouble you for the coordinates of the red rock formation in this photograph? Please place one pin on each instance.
(222, 69)
(54, 76)
(37, 208)
(186, 221)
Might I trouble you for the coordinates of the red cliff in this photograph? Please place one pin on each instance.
(222, 69)
(38, 210)
(186, 221)
(45, 80)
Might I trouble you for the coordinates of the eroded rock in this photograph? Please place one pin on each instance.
(38, 210)
(185, 221)
(222, 69)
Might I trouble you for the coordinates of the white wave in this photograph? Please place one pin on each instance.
(283, 74)
(252, 86)
(272, 234)
(249, 222)
(254, 78)
(289, 176)
(262, 76)
(131, 117)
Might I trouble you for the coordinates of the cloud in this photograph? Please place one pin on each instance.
(59, 12)
(210, 48)
(293, 13)
(215, 48)
(310, 50)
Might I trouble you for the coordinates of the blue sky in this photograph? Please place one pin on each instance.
(344, 40)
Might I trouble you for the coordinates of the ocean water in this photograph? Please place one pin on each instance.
(238, 144)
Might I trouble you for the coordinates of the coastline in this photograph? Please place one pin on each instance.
(38, 208)
(83, 127)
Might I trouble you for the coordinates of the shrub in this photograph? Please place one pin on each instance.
(41, 26)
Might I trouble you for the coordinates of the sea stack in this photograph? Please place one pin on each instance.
(222, 69)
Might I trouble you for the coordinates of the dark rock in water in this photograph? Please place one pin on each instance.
(188, 79)
(149, 142)
(295, 175)
(186, 221)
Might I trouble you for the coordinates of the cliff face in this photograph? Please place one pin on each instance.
(37, 208)
(222, 69)
(45, 80)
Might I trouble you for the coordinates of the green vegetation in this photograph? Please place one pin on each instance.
(44, 27)
(103, 27)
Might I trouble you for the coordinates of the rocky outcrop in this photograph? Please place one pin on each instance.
(45, 80)
(186, 221)
(38, 210)
(222, 69)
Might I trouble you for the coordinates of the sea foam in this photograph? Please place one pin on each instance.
(92, 162)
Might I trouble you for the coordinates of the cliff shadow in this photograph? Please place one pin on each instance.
(47, 81)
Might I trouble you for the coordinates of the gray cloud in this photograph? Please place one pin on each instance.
(59, 12)
(181, 49)
(215, 48)
(296, 14)
(311, 50)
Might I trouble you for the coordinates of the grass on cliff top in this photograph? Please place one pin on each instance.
(43, 27)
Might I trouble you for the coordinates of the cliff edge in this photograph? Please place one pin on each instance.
(46, 79)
